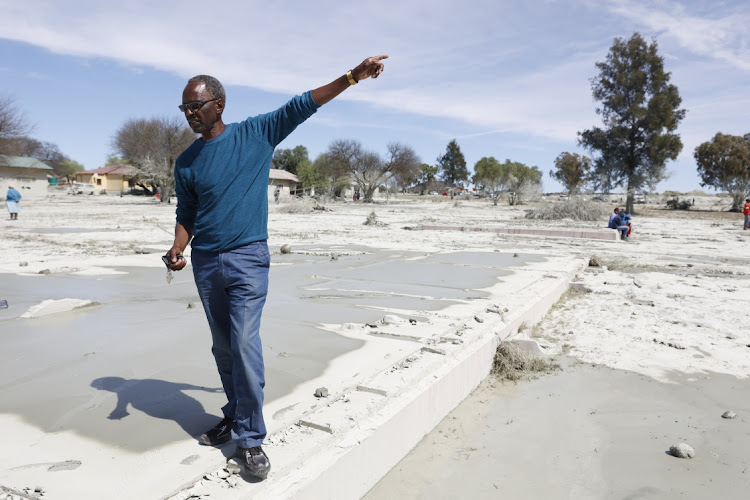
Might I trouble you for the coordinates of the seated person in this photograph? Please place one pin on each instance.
(626, 220)
(612, 216)
(618, 223)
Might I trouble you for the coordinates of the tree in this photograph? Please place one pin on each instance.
(334, 176)
(15, 141)
(402, 164)
(426, 177)
(571, 170)
(724, 163)
(519, 180)
(489, 173)
(309, 175)
(115, 160)
(640, 113)
(152, 147)
(13, 125)
(368, 169)
(46, 152)
(291, 159)
(452, 166)
(68, 169)
(50, 154)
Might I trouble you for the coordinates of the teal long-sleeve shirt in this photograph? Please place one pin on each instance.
(222, 183)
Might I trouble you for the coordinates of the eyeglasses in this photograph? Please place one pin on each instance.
(194, 106)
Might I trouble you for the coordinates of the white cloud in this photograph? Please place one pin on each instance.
(447, 59)
(722, 36)
(501, 67)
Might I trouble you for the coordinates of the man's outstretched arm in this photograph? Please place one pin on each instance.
(370, 67)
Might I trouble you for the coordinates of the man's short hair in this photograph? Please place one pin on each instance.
(617, 209)
(214, 86)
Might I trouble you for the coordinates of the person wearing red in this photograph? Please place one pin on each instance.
(746, 211)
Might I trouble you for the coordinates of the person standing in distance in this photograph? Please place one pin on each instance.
(13, 202)
(221, 182)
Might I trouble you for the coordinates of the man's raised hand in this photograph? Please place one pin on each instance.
(370, 67)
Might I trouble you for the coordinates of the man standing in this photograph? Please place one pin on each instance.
(222, 205)
(746, 212)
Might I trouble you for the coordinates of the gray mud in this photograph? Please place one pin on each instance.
(137, 372)
(585, 432)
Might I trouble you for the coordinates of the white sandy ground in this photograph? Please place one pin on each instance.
(693, 269)
(683, 279)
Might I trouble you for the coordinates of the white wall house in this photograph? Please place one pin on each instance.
(287, 182)
(28, 175)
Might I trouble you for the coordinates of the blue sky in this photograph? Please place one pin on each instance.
(506, 79)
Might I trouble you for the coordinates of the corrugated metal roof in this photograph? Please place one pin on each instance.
(22, 162)
(282, 175)
(119, 169)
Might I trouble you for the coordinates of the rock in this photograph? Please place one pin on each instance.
(321, 392)
(45, 271)
(372, 219)
(191, 305)
(682, 450)
(334, 256)
(223, 474)
(391, 319)
(52, 306)
(233, 466)
(38, 489)
(286, 249)
(478, 319)
(23, 264)
(515, 255)
(412, 321)
(594, 262)
(729, 414)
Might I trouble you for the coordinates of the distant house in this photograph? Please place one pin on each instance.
(28, 175)
(113, 178)
(282, 179)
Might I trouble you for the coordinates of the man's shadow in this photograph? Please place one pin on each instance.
(158, 399)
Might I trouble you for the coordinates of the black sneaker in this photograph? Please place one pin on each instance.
(253, 460)
(219, 434)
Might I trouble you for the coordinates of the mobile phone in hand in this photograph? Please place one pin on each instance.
(167, 261)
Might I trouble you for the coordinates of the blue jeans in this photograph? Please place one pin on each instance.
(624, 230)
(232, 286)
